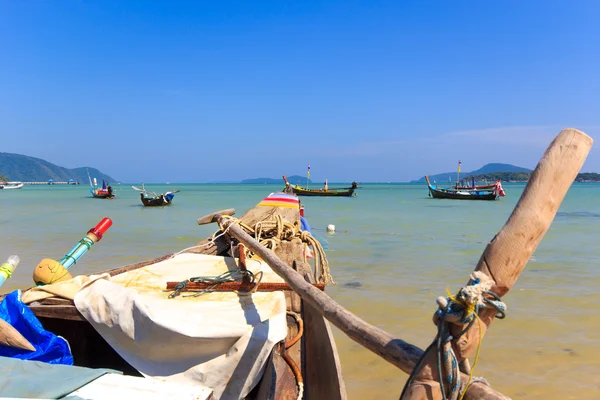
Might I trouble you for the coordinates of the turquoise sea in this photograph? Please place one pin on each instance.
(394, 252)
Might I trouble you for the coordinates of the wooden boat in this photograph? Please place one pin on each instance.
(101, 192)
(300, 191)
(151, 199)
(464, 194)
(305, 361)
(11, 185)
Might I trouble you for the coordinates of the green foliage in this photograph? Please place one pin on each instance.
(3, 178)
(524, 177)
(587, 177)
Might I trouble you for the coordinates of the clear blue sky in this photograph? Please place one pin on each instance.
(362, 90)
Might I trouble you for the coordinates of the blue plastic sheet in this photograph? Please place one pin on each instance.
(304, 225)
(49, 348)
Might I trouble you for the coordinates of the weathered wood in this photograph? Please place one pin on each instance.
(323, 373)
(213, 217)
(278, 381)
(231, 286)
(60, 312)
(505, 257)
(396, 351)
(11, 337)
(131, 267)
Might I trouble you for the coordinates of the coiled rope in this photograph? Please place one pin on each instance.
(460, 309)
(270, 233)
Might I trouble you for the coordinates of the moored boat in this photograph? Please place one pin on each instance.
(11, 185)
(457, 193)
(101, 192)
(325, 192)
(151, 199)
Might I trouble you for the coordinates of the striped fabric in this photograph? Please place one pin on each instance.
(280, 200)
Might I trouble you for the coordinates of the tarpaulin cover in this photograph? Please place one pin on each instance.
(221, 340)
(48, 347)
(39, 380)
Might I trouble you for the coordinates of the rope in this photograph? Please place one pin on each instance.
(270, 233)
(463, 308)
(233, 275)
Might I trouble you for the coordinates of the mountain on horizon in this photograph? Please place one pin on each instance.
(486, 169)
(294, 180)
(19, 167)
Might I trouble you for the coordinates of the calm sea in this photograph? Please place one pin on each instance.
(394, 252)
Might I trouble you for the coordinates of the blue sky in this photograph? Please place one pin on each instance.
(362, 90)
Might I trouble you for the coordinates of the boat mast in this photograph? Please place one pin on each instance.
(89, 177)
(458, 174)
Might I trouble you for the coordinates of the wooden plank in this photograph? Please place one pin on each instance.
(323, 372)
(278, 382)
(131, 267)
(60, 312)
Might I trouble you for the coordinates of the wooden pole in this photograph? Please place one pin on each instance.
(396, 351)
(506, 255)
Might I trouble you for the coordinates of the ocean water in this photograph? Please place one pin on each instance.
(394, 252)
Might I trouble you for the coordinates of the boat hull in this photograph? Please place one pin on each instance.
(159, 201)
(11, 185)
(100, 195)
(460, 194)
(324, 193)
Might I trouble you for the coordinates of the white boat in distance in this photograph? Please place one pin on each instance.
(11, 185)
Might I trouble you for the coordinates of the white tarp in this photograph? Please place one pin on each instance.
(220, 340)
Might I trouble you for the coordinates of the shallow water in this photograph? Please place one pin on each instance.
(394, 252)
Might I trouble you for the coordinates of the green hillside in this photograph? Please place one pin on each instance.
(486, 169)
(524, 177)
(17, 167)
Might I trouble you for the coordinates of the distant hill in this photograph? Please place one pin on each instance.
(524, 177)
(294, 179)
(17, 167)
(486, 169)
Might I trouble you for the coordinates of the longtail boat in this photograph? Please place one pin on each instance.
(302, 361)
(325, 192)
(458, 193)
(151, 199)
(100, 192)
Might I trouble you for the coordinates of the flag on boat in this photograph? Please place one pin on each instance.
(459, 162)
(308, 173)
